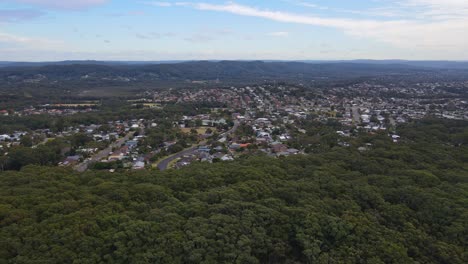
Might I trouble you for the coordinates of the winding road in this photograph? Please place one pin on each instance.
(163, 164)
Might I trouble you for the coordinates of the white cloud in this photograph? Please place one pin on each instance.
(208, 35)
(63, 4)
(309, 5)
(158, 3)
(280, 16)
(28, 42)
(279, 34)
(421, 35)
(437, 9)
(14, 15)
(165, 4)
(439, 4)
(199, 38)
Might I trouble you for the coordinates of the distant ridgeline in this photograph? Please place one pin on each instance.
(92, 71)
(395, 203)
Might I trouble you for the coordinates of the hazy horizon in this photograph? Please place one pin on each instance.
(234, 60)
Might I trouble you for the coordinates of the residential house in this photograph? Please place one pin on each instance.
(71, 161)
(278, 148)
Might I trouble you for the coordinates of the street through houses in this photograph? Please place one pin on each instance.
(103, 153)
(164, 164)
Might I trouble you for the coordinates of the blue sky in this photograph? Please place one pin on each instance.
(38, 30)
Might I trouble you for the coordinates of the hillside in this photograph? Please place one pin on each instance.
(205, 70)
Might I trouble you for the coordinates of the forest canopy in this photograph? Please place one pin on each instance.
(394, 203)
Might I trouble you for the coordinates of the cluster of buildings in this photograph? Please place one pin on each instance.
(57, 110)
(14, 137)
(120, 143)
(260, 118)
(271, 112)
(8, 141)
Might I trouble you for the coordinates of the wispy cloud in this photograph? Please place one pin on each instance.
(209, 35)
(199, 38)
(29, 42)
(129, 13)
(165, 4)
(438, 9)
(401, 33)
(281, 16)
(158, 3)
(15, 15)
(390, 10)
(307, 4)
(63, 4)
(281, 34)
(415, 9)
(152, 35)
(155, 35)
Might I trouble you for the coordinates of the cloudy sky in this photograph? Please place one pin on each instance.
(37, 30)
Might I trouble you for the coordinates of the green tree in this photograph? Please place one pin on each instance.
(26, 141)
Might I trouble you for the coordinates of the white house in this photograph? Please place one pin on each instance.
(4, 137)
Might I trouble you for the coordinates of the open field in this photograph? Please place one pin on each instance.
(75, 105)
(147, 105)
(105, 92)
(151, 105)
(200, 130)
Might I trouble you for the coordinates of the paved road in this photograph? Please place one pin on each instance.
(163, 164)
(356, 115)
(392, 122)
(103, 153)
(232, 130)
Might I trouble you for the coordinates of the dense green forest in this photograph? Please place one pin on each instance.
(394, 203)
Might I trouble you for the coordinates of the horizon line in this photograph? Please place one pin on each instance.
(243, 60)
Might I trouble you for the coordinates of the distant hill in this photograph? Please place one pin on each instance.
(202, 70)
(80, 62)
(428, 64)
(424, 64)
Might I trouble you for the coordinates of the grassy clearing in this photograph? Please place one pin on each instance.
(75, 105)
(172, 164)
(200, 130)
